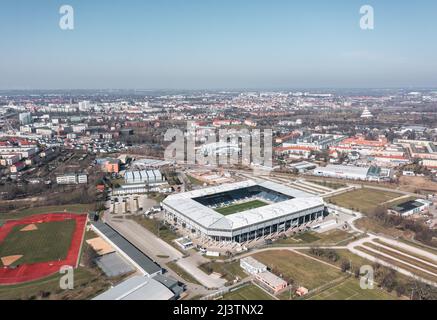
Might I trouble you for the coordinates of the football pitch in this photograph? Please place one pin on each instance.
(241, 207)
(350, 290)
(42, 242)
(249, 292)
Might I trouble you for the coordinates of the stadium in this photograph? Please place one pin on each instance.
(242, 211)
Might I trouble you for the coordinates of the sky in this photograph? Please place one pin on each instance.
(217, 44)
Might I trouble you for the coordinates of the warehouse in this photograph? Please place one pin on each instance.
(144, 176)
(242, 211)
(373, 173)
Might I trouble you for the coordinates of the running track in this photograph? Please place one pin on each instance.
(35, 271)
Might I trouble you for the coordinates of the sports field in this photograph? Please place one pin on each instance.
(49, 241)
(363, 200)
(241, 207)
(350, 290)
(36, 247)
(249, 292)
(303, 270)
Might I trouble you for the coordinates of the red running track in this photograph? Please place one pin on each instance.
(36, 271)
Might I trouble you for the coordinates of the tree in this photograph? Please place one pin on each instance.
(345, 266)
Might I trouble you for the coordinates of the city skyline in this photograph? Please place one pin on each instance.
(210, 45)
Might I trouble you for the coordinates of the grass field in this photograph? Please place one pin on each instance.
(363, 200)
(229, 270)
(241, 207)
(49, 242)
(406, 251)
(402, 257)
(399, 264)
(350, 290)
(303, 270)
(249, 292)
(332, 237)
(328, 184)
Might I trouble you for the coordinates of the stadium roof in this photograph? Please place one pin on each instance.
(209, 218)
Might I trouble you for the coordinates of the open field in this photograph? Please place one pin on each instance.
(401, 257)
(363, 200)
(332, 237)
(73, 208)
(399, 264)
(241, 207)
(372, 225)
(344, 255)
(249, 292)
(413, 254)
(49, 242)
(329, 184)
(303, 270)
(350, 290)
(229, 270)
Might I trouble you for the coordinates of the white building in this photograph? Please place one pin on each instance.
(252, 266)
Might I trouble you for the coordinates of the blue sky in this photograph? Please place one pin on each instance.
(204, 44)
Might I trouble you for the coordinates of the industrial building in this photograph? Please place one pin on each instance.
(373, 173)
(278, 208)
(411, 207)
(144, 177)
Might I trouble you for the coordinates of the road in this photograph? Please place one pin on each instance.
(146, 241)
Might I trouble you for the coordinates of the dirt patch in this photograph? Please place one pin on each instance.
(7, 261)
(413, 184)
(30, 227)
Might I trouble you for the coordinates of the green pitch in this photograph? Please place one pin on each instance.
(350, 290)
(241, 207)
(50, 242)
(249, 292)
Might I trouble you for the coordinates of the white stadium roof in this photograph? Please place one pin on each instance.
(209, 218)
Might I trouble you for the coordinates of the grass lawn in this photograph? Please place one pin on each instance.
(328, 184)
(401, 257)
(249, 292)
(419, 256)
(229, 270)
(72, 208)
(363, 200)
(350, 290)
(241, 207)
(399, 264)
(182, 273)
(153, 224)
(331, 237)
(48, 243)
(303, 270)
(344, 255)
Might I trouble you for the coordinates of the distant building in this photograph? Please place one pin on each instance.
(366, 114)
(373, 173)
(144, 177)
(25, 118)
(72, 178)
